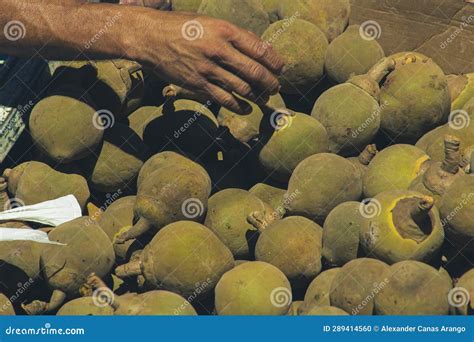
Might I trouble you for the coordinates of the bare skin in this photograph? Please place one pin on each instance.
(222, 60)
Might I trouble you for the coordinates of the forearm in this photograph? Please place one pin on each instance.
(62, 29)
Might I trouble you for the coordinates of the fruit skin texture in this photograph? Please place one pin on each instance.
(293, 245)
(466, 282)
(116, 218)
(185, 5)
(349, 54)
(6, 307)
(331, 16)
(117, 163)
(227, 218)
(394, 168)
(457, 212)
(84, 306)
(36, 182)
(271, 7)
(20, 261)
(253, 288)
(63, 128)
(87, 250)
(414, 105)
(285, 147)
(304, 63)
(413, 288)
(318, 291)
(248, 14)
(341, 233)
(269, 194)
(354, 285)
(461, 88)
(246, 128)
(168, 264)
(154, 303)
(343, 110)
(323, 181)
(140, 118)
(323, 311)
(381, 233)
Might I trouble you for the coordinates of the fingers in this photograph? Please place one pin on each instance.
(259, 78)
(252, 46)
(227, 100)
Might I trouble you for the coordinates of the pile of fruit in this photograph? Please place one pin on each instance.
(351, 192)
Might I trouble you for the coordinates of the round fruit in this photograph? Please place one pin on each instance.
(413, 288)
(461, 296)
(461, 88)
(269, 194)
(322, 181)
(318, 291)
(363, 160)
(84, 306)
(323, 311)
(349, 55)
(253, 288)
(6, 307)
(304, 63)
(394, 168)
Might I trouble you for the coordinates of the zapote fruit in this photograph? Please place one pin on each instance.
(269, 194)
(351, 111)
(182, 256)
(363, 160)
(350, 54)
(400, 225)
(320, 183)
(318, 291)
(461, 88)
(461, 296)
(34, 182)
(86, 249)
(253, 288)
(304, 63)
(322, 311)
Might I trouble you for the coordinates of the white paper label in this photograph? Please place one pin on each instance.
(15, 234)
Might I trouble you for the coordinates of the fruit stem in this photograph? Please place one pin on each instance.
(381, 69)
(131, 269)
(138, 229)
(411, 217)
(452, 156)
(38, 307)
(366, 156)
(261, 220)
(95, 283)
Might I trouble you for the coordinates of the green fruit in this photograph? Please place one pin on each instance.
(248, 14)
(416, 99)
(304, 62)
(341, 233)
(185, 125)
(294, 246)
(363, 160)
(331, 16)
(289, 139)
(118, 86)
(355, 285)
(117, 218)
(84, 306)
(349, 55)
(154, 303)
(253, 288)
(351, 111)
(140, 118)
(457, 212)
(164, 159)
(400, 225)
(461, 88)
(227, 217)
(117, 163)
(87, 249)
(35, 182)
(182, 257)
(461, 296)
(6, 307)
(440, 175)
(269, 194)
(323, 311)
(271, 7)
(64, 128)
(321, 182)
(394, 168)
(413, 288)
(20, 261)
(318, 291)
(246, 128)
(185, 5)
